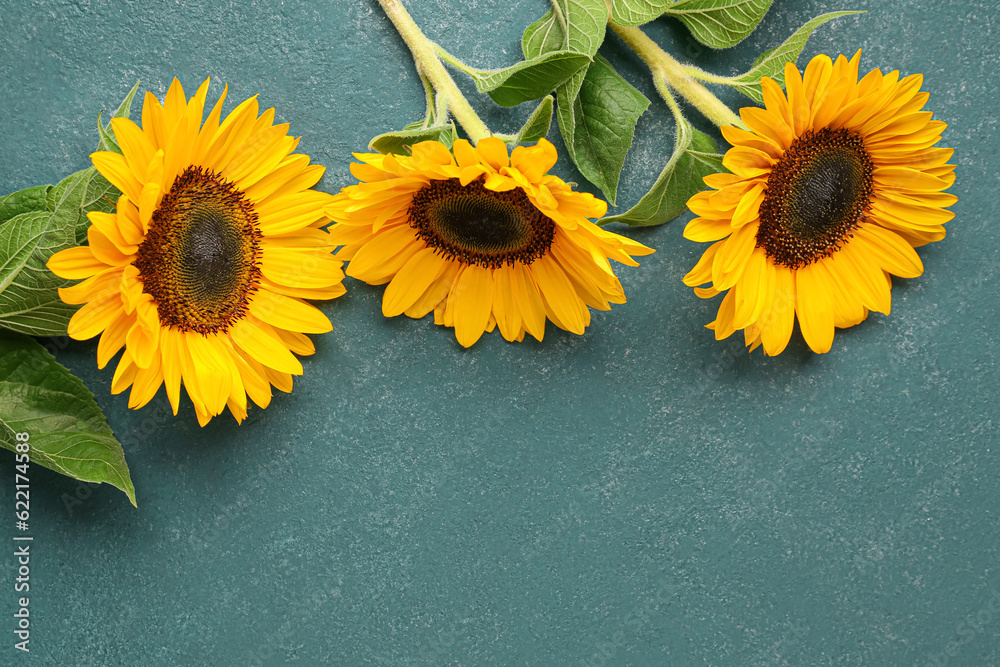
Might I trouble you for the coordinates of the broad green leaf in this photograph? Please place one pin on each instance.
(29, 300)
(571, 25)
(107, 138)
(637, 12)
(599, 131)
(537, 126)
(719, 24)
(23, 201)
(566, 95)
(695, 156)
(772, 63)
(68, 432)
(399, 142)
(529, 79)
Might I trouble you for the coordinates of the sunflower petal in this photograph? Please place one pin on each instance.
(473, 296)
(260, 343)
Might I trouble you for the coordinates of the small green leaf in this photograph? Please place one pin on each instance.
(124, 109)
(719, 24)
(772, 63)
(598, 131)
(81, 193)
(529, 79)
(29, 299)
(537, 126)
(695, 156)
(107, 138)
(578, 26)
(399, 142)
(68, 432)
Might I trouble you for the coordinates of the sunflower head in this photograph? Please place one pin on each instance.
(481, 238)
(202, 272)
(832, 186)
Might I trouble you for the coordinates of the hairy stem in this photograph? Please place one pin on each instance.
(666, 70)
(429, 66)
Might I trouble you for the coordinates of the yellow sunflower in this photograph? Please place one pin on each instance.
(201, 273)
(481, 238)
(830, 191)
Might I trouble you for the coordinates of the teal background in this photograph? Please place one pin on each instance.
(640, 495)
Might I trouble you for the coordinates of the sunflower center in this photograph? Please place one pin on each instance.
(478, 226)
(199, 260)
(817, 194)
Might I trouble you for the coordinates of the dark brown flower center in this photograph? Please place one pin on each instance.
(478, 226)
(817, 194)
(199, 260)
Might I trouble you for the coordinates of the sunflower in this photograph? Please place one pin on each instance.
(201, 272)
(830, 192)
(481, 238)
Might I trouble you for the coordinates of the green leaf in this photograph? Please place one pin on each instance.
(529, 79)
(695, 156)
(23, 201)
(599, 124)
(399, 142)
(29, 299)
(637, 12)
(772, 63)
(537, 126)
(579, 25)
(719, 24)
(571, 25)
(78, 194)
(68, 432)
(566, 95)
(107, 138)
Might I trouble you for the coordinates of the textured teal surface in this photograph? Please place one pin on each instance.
(641, 495)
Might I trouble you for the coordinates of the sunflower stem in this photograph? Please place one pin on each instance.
(667, 71)
(428, 63)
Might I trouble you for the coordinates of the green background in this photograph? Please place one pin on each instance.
(640, 495)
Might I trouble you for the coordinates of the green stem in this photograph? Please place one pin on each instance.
(453, 61)
(708, 77)
(667, 70)
(664, 90)
(425, 57)
(430, 114)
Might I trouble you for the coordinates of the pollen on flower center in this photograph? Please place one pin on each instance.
(199, 260)
(818, 193)
(479, 226)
